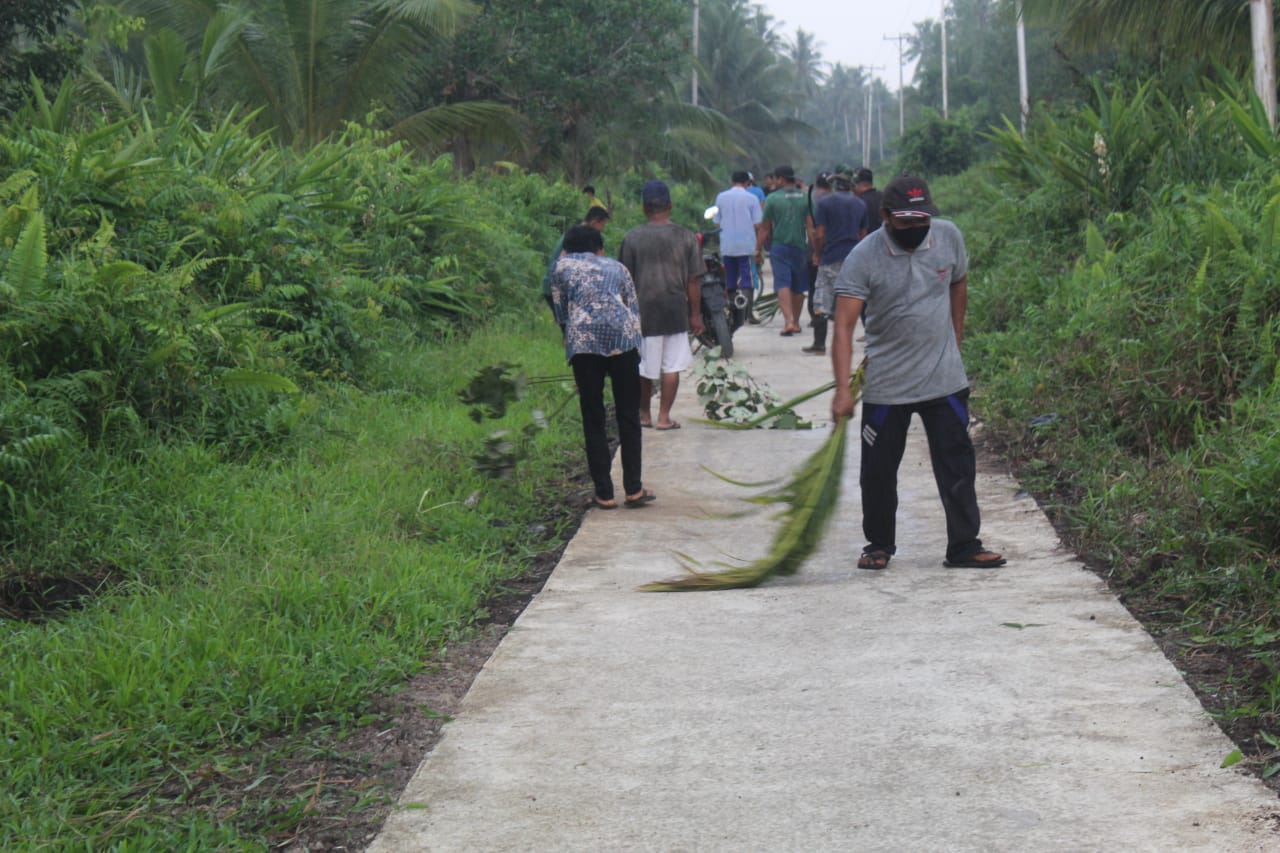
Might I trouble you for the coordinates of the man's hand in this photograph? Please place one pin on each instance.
(842, 404)
(695, 323)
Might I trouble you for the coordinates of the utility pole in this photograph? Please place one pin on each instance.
(1024, 101)
(866, 134)
(902, 112)
(943, 18)
(1264, 65)
(694, 99)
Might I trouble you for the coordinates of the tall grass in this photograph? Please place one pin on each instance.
(263, 598)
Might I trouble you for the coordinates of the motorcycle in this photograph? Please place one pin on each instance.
(721, 315)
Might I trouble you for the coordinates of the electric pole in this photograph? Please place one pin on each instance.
(1024, 101)
(943, 20)
(1264, 64)
(695, 52)
(870, 108)
(902, 112)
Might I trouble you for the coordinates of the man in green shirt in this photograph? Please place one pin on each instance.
(784, 214)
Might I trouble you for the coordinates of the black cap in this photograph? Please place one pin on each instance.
(863, 176)
(908, 195)
(785, 172)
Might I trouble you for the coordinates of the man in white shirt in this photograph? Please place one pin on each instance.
(737, 213)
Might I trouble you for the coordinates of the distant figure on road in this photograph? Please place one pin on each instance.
(911, 277)
(839, 222)
(865, 188)
(738, 212)
(784, 216)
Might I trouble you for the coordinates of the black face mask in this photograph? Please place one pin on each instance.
(909, 238)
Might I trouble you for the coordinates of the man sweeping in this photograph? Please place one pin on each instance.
(909, 282)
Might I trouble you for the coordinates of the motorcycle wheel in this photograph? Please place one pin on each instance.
(719, 330)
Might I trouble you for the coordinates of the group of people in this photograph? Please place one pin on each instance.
(885, 258)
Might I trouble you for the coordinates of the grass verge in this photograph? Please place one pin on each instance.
(264, 605)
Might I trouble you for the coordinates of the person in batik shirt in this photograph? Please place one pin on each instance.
(594, 300)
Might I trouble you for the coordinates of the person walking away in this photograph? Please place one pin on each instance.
(737, 213)
(865, 188)
(598, 218)
(595, 302)
(783, 223)
(756, 282)
(911, 279)
(820, 189)
(666, 264)
(839, 222)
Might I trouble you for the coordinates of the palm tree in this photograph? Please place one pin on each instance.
(1203, 32)
(807, 68)
(1196, 29)
(743, 77)
(309, 66)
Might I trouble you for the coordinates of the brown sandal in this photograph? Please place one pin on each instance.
(980, 560)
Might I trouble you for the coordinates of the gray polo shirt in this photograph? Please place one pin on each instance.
(912, 353)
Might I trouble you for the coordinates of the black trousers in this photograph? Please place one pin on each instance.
(884, 439)
(623, 370)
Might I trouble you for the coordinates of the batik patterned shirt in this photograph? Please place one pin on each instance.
(595, 299)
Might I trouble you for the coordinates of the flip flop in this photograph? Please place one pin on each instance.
(645, 497)
(980, 560)
(646, 426)
(674, 425)
(601, 503)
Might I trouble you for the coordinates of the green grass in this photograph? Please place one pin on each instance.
(263, 598)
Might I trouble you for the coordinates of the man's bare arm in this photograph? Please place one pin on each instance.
(848, 310)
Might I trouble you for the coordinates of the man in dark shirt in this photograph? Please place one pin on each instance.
(666, 263)
(865, 188)
(839, 222)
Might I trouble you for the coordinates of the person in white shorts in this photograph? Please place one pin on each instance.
(666, 263)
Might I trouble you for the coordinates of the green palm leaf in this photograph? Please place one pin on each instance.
(810, 499)
(30, 258)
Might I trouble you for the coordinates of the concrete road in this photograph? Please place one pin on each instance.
(916, 709)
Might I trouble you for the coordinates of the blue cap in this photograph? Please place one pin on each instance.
(655, 194)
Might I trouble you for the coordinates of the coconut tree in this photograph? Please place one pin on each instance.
(808, 69)
(1182, 31)
(744, 76)
(309, 66)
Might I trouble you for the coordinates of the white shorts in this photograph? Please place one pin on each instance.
(664, 354)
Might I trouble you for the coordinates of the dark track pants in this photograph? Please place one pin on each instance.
(884, 439)
(589, 371)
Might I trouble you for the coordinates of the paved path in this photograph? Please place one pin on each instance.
(918, 709)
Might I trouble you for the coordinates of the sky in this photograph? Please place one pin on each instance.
(853, 32)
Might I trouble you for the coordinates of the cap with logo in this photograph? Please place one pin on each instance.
(908, 196)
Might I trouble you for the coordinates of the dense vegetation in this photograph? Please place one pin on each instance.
(1130, 361)
(228, 410)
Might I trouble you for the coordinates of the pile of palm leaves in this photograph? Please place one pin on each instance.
(808, 501)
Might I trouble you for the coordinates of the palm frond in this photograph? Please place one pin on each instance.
(810, 499)
(27, 264)
(432, 128)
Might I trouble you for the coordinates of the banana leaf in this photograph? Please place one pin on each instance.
(809, 500)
